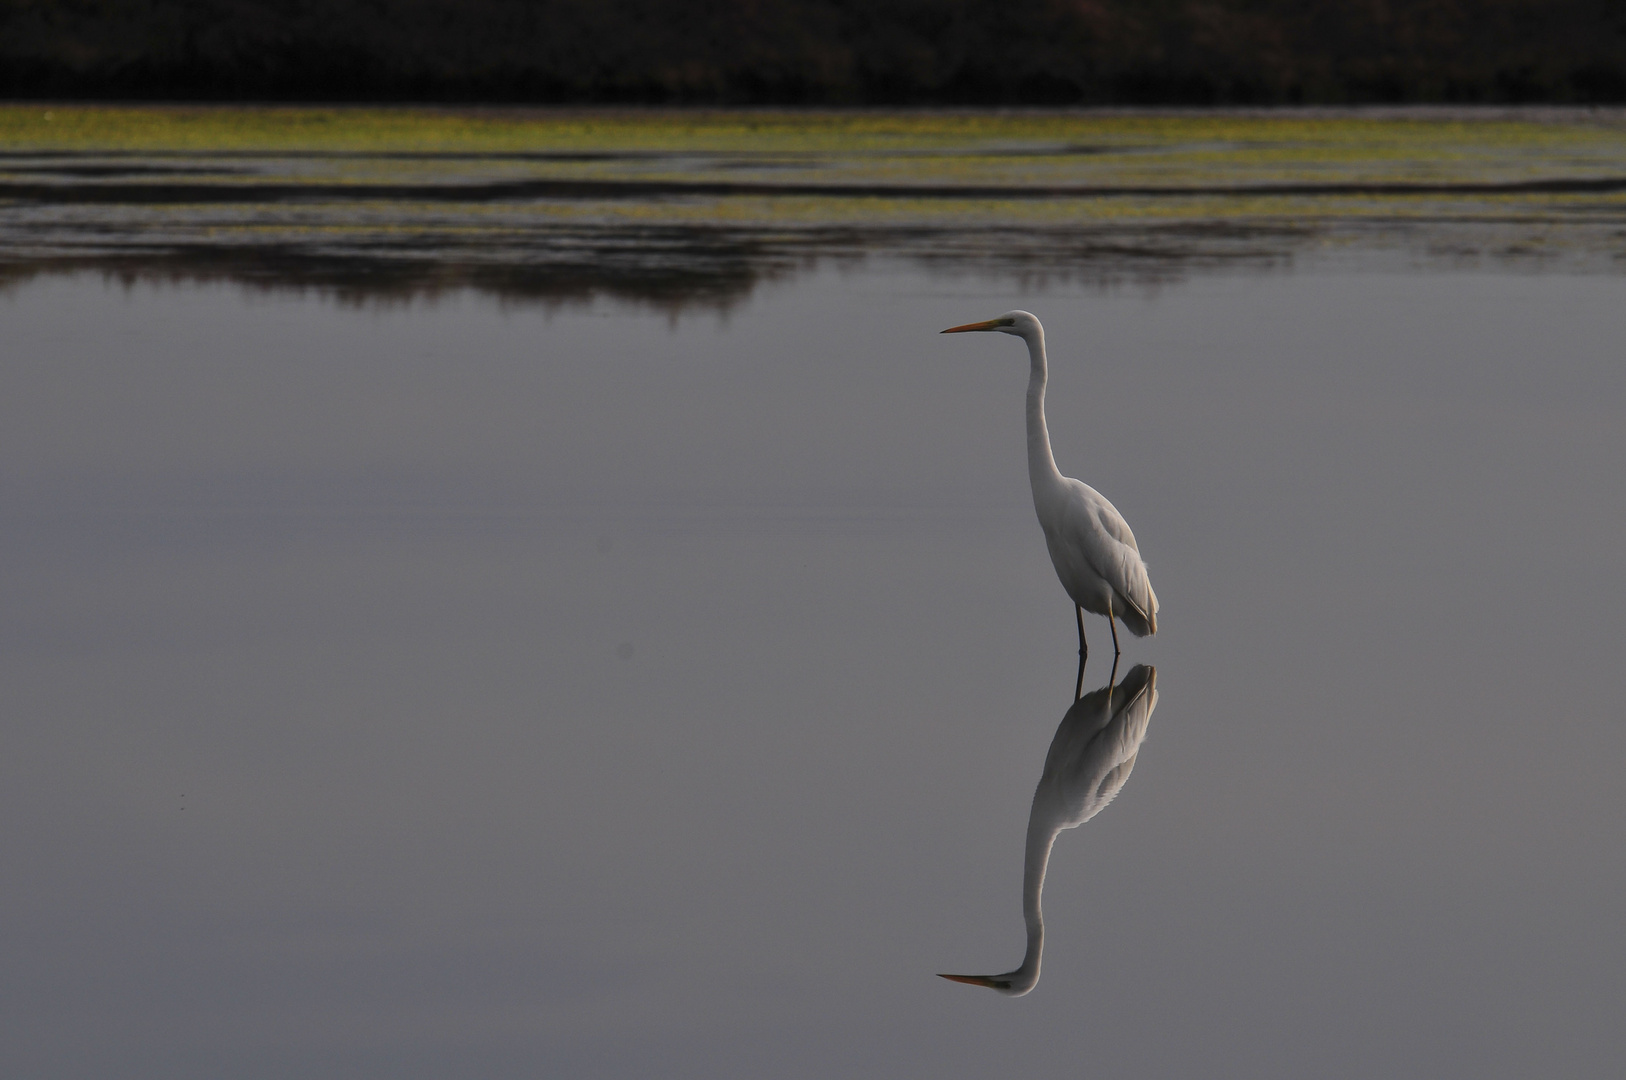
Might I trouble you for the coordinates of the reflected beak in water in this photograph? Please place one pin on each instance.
(989, 325)
(978, 980)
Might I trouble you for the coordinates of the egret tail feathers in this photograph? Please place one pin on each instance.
(1140, 618)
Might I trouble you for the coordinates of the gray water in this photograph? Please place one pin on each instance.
(467, 688)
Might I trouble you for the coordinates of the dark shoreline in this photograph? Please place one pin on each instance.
(818, 52)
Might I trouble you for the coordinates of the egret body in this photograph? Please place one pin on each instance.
(1090, 543)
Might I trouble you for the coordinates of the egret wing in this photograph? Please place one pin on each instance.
(1111, 550)
(1112, 521)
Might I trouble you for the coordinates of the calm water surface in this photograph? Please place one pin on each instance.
(468, 688)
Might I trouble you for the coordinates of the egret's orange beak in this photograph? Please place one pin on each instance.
(976, 980)
(989, 325)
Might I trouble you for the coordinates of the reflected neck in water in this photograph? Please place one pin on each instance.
(1089, 760)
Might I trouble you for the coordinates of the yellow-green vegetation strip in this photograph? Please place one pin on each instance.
(871, 150)
(1139, 144)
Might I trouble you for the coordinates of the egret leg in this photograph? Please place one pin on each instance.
(1114, 627)
(1083, 654)
(1112, 680)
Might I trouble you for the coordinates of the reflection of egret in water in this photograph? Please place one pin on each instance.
(1089, 760)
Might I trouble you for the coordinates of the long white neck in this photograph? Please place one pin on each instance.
(1042, 471)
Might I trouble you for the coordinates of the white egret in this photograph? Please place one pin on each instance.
(1089, 761)
(1090, 543)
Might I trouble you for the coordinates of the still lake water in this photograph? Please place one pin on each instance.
(464, 686)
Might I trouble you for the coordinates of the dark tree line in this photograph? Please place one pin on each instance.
(819, 51)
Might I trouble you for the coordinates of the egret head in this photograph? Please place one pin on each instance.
(1021, 323)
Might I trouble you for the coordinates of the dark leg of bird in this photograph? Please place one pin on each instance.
(1112, 680)
(1083, 654)
(1114, 627)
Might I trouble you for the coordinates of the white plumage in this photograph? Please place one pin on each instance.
(1090, 543)
(1090, 758)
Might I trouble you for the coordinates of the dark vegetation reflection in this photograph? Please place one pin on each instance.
(665, 267)
(1088, 763)
(704, 267)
